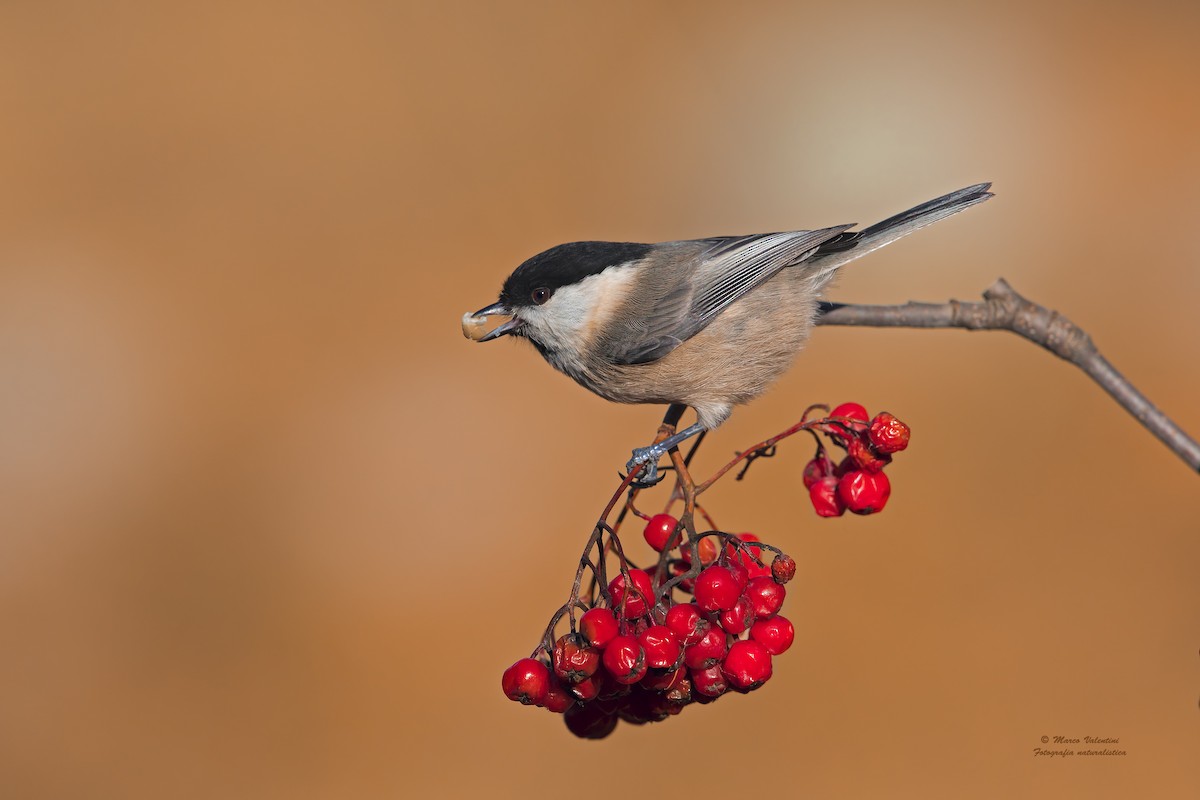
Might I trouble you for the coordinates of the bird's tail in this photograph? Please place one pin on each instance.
(845, 247)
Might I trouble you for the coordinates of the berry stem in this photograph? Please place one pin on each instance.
(706, 516)
(762, 446)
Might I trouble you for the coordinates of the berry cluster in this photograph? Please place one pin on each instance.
(702, 619)
(857, 483)
(640, 655)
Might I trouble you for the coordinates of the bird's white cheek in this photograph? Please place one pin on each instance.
(558, 335)
(567, 324)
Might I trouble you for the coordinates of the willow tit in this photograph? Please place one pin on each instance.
(706, 323)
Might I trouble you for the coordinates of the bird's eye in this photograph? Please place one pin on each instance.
(541, 295)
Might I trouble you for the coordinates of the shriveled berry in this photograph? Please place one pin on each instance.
(658, 531)
(737, 619)
(747, 665)
(636, 601)
(766, 596)
(574, 659)
(680, 694)
(775, 634)
(888, 434)
(706, 652)
(716, 589)
(598, 626)
(709, 682)
(671, 702)
(527, 681)
(864, 492)
(687, 623)
(825, 499)
(625, 660)
(783, 568)
(819, 467)
(661, 647)
(865, 457)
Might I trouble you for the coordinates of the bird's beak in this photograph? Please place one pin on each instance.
(473, 323)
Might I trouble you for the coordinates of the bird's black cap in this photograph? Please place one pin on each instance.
(564, 265)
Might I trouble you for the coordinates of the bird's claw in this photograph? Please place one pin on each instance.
(646, 457)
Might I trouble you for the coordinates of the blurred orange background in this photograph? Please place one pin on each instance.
(273, 528)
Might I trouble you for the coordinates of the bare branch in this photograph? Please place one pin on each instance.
(1004, 310)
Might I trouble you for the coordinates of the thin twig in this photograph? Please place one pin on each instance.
(750, 453)
(1003, 309)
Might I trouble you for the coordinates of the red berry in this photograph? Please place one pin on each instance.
(747, 553)
(527, 681)
(766, 596)
(740, 574)
(559, 698)
(663, 680)
(775, 634)
(816, 469)
(706, 652)
(588, 688)
(855, 412)
(661, 647)
(747, 665)
(574, 660)
(857, 420)
(783, 568)
(716, 589)
(678, 568)
(709, 682)
(708, 551)
(864, 492)
(687, 623)
(746, 557)
(598, 626)
(888, 434)
(825, 500)
(658, 531)
(847, 464)
(625, 660)
(737, 619)
(757, 570)
(634, 603)
(865, 457)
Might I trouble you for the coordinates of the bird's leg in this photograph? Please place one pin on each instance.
(650, 455)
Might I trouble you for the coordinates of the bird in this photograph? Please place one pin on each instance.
(705, 323)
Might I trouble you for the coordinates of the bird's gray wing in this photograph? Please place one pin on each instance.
(718, 273)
